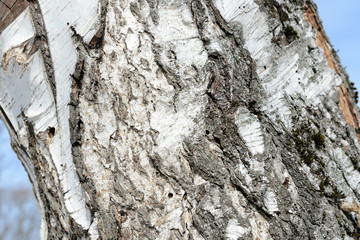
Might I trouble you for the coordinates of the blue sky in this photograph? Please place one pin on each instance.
(12, 173)
(341, 20)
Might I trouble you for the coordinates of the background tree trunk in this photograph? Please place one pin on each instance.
(202, 119)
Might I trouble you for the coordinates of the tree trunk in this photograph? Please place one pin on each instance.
(165, 119)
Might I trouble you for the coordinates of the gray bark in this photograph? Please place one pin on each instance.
(174, 119)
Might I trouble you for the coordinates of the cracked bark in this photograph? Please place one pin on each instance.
(182, 120)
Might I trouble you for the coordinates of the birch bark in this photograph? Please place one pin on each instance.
(202, 119)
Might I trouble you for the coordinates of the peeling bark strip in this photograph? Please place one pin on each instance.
(207, 119)
(22, 53)
(9, 11)
(348, 109)
(345, 102)
(321, 39)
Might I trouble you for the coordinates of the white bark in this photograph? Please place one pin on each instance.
(181, 119)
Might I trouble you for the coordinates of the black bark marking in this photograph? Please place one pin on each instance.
(7, 121)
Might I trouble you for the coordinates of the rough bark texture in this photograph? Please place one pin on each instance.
(192, 119)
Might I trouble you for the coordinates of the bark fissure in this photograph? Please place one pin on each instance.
(185, 120)
(52, 199)
(43, 43)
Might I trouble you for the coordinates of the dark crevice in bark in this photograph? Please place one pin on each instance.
(76, 139)
(43, 43)
(225, 136)
(214, 157)
(218, 18)
(53, 198)
(170, 74)
(176, 179)
(89, 55)
(102, 20)
(226, 95)
(153, 4)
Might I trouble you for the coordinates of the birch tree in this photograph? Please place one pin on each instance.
(181, 119)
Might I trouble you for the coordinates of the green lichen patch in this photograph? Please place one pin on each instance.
(307, 143)
(277, 10)
(325, 182)
(235, 104)
(305, 140)
(319, 139)
(336, 195)
(290, 33)
(330, 190)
